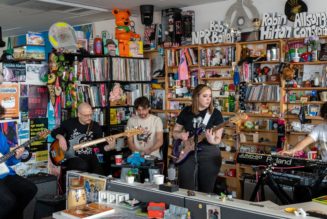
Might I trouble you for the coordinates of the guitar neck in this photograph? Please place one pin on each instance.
(5, 157)
(221, 125)
(97, 141)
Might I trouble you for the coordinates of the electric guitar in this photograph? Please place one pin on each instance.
(57, 155)
(181, 149)
(4, 158)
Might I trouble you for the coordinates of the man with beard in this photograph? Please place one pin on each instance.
(151, 140)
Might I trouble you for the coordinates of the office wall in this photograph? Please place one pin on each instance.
(204, 13)
(216, 11)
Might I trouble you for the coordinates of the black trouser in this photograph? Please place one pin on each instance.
(85, 164)
(16, 192)
(209, 160)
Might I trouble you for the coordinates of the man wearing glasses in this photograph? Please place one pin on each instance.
(78, 130)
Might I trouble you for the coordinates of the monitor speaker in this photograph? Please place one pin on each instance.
(146, 14)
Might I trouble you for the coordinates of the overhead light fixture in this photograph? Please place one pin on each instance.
(58, 2)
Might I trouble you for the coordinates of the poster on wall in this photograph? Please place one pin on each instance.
(9, 94)
(37, 125)
(36, 73)
(23, 131)
(9, 129)
(14, 72)
(37, 101)
(23, 102)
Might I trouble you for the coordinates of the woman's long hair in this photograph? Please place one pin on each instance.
(195, 98)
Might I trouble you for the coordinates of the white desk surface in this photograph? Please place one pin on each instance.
(118, 213)
(262, 208)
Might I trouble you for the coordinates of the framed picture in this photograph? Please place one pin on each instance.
(92, 183)
(213, 212)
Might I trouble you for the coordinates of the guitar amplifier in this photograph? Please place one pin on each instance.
(46, 185)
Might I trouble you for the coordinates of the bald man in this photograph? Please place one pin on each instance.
(78, 130)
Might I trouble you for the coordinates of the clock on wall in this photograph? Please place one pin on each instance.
(292, 7)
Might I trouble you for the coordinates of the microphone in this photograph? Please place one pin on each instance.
(195, 122)
(199, 120)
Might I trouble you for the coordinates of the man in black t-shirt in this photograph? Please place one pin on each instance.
(78, 130)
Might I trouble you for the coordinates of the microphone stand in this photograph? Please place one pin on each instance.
(196, 162)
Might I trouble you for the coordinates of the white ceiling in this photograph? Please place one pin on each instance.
(19, 16)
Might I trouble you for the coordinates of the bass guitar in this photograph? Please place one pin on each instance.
(4, 158)
(58, 156)
(181, 149)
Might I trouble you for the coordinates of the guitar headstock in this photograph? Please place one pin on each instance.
(134, 131)
(238, 118)
(43, 134)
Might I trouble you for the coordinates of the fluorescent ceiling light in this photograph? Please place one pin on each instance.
(58, 2)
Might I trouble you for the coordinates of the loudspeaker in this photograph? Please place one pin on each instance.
(146, 14)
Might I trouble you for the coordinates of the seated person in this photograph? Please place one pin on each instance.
(150, 142)
(16, 191)
(78, 130)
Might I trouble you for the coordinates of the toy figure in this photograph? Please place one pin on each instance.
(123, 32)
(117, 94)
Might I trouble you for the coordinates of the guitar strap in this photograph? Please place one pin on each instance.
(206, 118)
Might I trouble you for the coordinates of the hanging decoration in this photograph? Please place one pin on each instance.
(293, 7)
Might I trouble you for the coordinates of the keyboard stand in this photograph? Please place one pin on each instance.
(267, 178)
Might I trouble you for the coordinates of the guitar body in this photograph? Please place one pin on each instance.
(4, 157)
(181, 149)
(57, 155)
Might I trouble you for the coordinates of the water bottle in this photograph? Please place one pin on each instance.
(236, 77)
(97, 45)
(171, 172)
(231, 103)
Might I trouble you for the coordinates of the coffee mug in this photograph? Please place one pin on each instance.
(312, 155)
(158, 179)
(118, 159)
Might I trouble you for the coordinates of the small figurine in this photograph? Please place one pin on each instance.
(123, 32)
(117, 94)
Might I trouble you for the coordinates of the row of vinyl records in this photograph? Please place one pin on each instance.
(173, 56)
(95, 69)
(123, 69)
(263, 93)
(131, 69)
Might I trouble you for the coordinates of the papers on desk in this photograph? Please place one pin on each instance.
(88, 211)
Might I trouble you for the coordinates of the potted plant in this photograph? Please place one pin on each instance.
(130, 177)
